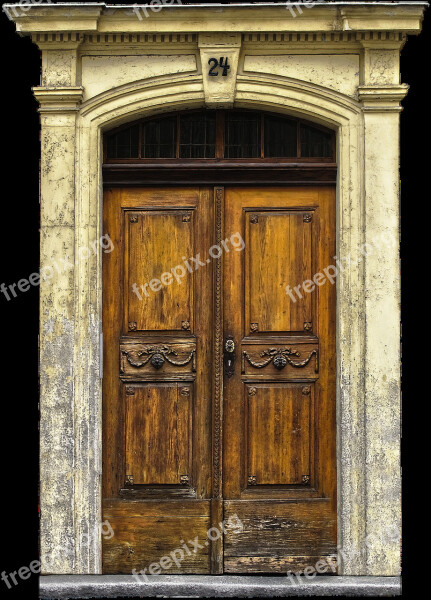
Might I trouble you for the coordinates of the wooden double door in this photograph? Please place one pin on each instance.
(219, 380)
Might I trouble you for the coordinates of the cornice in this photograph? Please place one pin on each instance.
(403, 17)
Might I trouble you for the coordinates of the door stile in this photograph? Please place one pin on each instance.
(217, 406)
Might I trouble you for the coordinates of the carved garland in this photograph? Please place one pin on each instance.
(157, 356)
(280, 358)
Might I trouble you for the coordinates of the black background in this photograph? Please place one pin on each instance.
(19, 241)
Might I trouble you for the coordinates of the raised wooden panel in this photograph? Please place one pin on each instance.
(281, 361)
(158, 284)
(279, 536)
(158, 360)
(278, 428)
(278, 253)
(158, 433)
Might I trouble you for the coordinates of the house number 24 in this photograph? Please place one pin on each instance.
(216, 64)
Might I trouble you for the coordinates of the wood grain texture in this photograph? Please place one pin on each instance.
(277, 429)
(279, 455)
(157, 421)
(158, 433)
(278, 530)
(157, 241)
(278, 253)
(145, 532)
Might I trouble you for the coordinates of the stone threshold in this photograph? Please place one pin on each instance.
(59, 587)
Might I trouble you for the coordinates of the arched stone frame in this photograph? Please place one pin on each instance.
(71, 511)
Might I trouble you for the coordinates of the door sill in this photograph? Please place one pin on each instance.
(216, 586)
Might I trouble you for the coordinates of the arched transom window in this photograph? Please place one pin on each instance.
(220, 135)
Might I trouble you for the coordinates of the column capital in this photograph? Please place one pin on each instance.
(382, 98)
(58, 99)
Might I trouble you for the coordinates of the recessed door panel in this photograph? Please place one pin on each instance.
(158, 433)
(158, 285)
(279, 253)
(278, 427)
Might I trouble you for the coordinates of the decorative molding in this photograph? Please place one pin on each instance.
(323, 38)
(51, 19)
(280, 357)
(218, 350)
(52, 41)
(149, 39)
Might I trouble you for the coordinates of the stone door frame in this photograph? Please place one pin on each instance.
(368, 314)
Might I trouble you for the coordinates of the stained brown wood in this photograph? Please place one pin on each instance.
(247, 172)
(279, 435)
(277, 536)
(145, 532)
(158, 433)
(156, 416)
(184, 447)
(278, 420)
(278, 253)
(155, 242)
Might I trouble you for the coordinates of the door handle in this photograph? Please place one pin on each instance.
(229, 356)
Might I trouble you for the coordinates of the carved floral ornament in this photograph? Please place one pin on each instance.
(280, 357)
(157, 356)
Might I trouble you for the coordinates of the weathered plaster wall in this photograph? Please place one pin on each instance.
(337, 72)
(101, 73)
